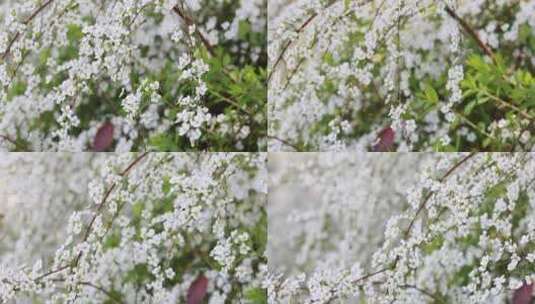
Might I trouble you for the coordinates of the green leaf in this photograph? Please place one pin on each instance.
(482, 100)
(256, 296)
(74, 33)
(139, 275)
(435, 244)
(112, 241)
(166, 186)
(137, 209)
(260, 234)
(430, 94)
(163, 142)
(477, 63)
(346, 4)
(18, 88)
(469, 107)
(244, 29)
(462, 277)
(113, 297)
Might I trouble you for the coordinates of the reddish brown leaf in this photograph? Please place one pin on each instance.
(385, 140)
(524, 294)
(197, 290)
(104, 137)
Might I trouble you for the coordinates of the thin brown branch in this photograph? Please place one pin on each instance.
(108, 293)
(287, 45)
(10, 45)
(428, 196)
(47, 274)
(8, 139)
(369, 275)
(88, 230)
(362, 278)
(190, 22)
(104, 200)
(26, 22)
(443, 178)
(284, 50)
(232, 102)
(135, 162)
(305, 24)
(295, 147)
(39, 10)
(470, 31)
(511, 106)
(101, 289)
(425, 292)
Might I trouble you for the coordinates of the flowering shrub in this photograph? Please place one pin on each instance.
(441, 75)
(132, 228)
(402, 228)
(125, 75)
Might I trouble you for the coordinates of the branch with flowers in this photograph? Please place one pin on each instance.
(145, 229)
(132, 75)
(394, 228)
(392, 75)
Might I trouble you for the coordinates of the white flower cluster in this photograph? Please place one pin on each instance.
(146, 229)
(193, 117)
(401, 228)
(361, 61)
(63, 64)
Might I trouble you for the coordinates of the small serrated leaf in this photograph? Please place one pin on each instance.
(256, 296)
(470, 107)
(431, 94)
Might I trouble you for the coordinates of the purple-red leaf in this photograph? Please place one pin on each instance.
(385, 140)
(197, 290)
(524, 294)
(104, 137)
